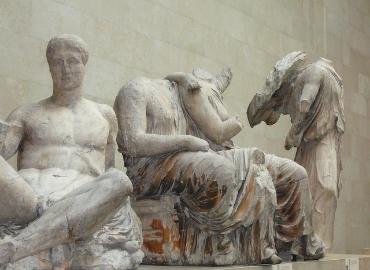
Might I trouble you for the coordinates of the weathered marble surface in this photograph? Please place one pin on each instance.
(203, 201)
(312, 95)
(66, 207)
(330, 262)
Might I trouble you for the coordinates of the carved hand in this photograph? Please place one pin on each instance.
(237, 122)
(195, 144)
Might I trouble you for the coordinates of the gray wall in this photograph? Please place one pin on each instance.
(130, 38)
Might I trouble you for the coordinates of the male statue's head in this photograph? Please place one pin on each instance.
(67, 56)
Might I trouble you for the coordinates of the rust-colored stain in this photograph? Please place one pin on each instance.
(246, 202)
(157, 224)
(257, 210)
(66, 265)
(208, 250)
(154, 246)
(43, 263)
(176, 245)
(163, 237)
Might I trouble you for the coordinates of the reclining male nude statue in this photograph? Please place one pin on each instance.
(174, 135)
(66, 190)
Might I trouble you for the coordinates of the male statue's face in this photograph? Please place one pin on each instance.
(67, 69)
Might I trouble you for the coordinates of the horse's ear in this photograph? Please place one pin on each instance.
(223, 78)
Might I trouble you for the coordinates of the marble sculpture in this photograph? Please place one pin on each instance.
(203, 201)
(312, 95)
(66, 207)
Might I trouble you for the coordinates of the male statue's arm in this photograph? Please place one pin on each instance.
(202, 112)
(11, 134)
(111, 147)
(312, 78)
(208, 121)
(130, 107)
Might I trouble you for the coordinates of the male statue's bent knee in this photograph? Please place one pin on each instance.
(119, 181)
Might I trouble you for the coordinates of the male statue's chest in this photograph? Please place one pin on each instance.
(66, 127)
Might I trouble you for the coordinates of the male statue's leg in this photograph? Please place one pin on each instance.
(18, 202)
(76, 216)
(323, 215)
(323, 167)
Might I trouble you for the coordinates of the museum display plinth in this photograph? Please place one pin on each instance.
(330, 262)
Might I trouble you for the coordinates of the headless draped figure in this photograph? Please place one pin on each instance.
(161, 159)
(312, 95)
(221, 187)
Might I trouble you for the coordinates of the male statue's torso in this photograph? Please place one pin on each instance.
(63, 137)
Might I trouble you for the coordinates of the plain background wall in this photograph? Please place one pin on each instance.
(130, 38)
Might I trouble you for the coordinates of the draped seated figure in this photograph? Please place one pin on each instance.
(66, 205)
(203, 201)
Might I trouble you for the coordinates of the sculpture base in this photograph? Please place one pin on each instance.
(171, 239)
(330, 262)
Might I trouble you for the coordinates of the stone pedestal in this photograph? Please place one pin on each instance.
(161, 229)
(330, 262)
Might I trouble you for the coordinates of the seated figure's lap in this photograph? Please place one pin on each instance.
(192, 174)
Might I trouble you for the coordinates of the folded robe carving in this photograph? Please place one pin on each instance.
(203, 201)
(312, 95)
(66, 207)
